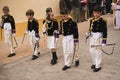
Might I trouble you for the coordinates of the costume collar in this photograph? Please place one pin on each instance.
(66, 20)
(97, 19)
(31, 19)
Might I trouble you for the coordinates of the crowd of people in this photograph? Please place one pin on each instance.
(81, 10)
(50, 29)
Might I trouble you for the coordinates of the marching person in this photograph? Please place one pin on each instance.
(108, 6)
(65, 4)
(83, 10)
(76, 9)
(91, 5)
(103, 6)
(117, 14)
(33, 31)
(50, 27)
(98, 35)
(69, 30)
(48, 12)
(8, 24)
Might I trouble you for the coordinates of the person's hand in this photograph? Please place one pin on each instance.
(87, 34)
(26, 31)
(103, 43)
(43, 34)
(76, 44)
(13, 32)
(76, 41)
(56, 34)
(37, 37)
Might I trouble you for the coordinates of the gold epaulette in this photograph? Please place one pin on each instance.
(4, 17)
(71, 18)
(36, 20)
(55, 20)
(104, 19)
(66, 20)
(92, 19)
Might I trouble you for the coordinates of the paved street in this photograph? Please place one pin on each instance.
(21, 67)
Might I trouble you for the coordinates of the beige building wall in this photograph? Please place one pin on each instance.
(19, 7)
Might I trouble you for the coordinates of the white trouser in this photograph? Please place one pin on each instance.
(117, 17)
(68, 49)
(51, 42)
(33, 42)
(9, 39)
(8, 36)
(95, 52)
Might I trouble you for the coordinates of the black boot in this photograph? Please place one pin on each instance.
(93, 67)
(65, 67)
(34, 57)
(54, 55)
(11, 55)
(54, 58)
(97, 69)
(53, 62)
(77, 63)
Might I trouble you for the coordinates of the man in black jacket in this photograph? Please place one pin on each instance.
(65, 4)
(108, 6)
(91, 5)
(76, 10)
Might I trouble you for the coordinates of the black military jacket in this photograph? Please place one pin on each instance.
(69, 27)
(98, 25)
(51, 26)
(33, 25)
(8, 19)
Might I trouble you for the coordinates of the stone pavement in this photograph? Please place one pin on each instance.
(23, 68)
